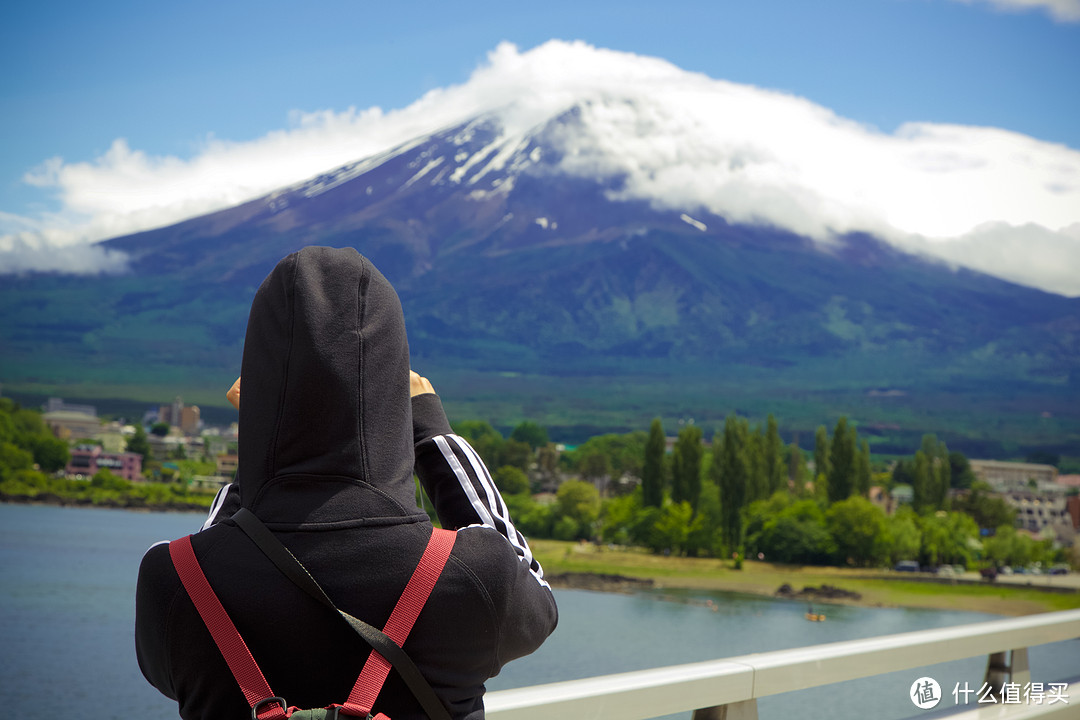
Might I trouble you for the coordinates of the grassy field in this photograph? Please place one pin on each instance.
(877, 588)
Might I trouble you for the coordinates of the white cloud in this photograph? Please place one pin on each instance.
(982, 197)
(1060, 10)
(53, 251)
(1027, 254)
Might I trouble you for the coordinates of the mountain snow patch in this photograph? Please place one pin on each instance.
(694, 223)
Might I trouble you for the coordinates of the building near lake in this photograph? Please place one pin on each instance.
(1004, 476)
(1037, 511)
(227, 463)
(166, 448)
(71, 425)
(209, 482)
(185, 417)
(58, 405)
(86, 460)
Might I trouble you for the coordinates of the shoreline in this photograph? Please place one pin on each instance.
(585, 567)
(53, 500)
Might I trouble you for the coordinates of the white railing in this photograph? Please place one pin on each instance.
(728, 689)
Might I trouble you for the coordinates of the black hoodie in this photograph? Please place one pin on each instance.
(328, 442)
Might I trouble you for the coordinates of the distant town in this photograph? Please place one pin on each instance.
(176, 432)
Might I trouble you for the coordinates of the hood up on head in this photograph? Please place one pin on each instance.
(325, 414)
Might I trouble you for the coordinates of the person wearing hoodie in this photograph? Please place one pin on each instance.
(333, 423)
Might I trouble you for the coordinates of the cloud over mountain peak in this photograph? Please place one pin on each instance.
(677, 139)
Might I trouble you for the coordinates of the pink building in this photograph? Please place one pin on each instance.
(88, 459)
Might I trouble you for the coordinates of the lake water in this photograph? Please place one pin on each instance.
(67, 587)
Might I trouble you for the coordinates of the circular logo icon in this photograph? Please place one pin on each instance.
(925, 693)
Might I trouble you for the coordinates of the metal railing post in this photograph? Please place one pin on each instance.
(1015, 670)
(745, 710)
(1021, 671)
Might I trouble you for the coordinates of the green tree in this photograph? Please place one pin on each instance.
(537, 521)
(50, 453)
(841, 477)
(754, 447)
(863, 470)
(532, 433)
(686, 467)
(773, 451)
(161, 429)
(937, 456)
(13, 459)
(516, 453)
(1008, 547)
(705, 536)
(902, 536)
(511, 480)
(672, 529)
(931, 475)
(985, 508)
(617, 517)
(922, 481)
(960, 473)
(857, 526)
(579, 501)
(732, 475)
(794, 534)
(566, 528)
(138, 443)
(947, 538)
(821, 451)
(796, 468)
(652, 468)
(24, 429)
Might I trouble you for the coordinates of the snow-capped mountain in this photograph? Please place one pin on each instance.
(981, 198)
(491, 240)
(637, 232)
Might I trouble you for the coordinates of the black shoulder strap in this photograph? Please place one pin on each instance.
(292, 568)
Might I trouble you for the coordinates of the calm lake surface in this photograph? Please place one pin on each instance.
(67, 591)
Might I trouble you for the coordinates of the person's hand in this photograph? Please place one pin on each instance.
(233, 395)
(417, 385)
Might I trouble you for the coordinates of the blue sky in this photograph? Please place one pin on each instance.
(169, 77)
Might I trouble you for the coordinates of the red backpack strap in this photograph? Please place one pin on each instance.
(401, 621)
(257, 692)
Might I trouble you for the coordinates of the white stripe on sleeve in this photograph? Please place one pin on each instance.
(493, 513)
(463, 479)
(499, 507)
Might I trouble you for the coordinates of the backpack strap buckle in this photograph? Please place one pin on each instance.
(267, 701)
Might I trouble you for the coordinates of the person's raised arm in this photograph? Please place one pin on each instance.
(455, 477)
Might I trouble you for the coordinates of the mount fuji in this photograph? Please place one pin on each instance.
(551, 267)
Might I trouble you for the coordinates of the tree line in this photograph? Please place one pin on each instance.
(749, 494)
